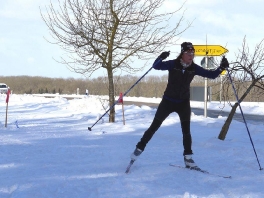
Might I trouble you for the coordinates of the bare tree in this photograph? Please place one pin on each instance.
(247, 73)
(108, 33)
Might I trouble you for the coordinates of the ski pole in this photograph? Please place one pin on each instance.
(243, 117)
(90, 128)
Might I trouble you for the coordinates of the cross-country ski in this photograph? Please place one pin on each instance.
(201, 170)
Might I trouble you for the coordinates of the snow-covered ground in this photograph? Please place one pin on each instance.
(47, 151)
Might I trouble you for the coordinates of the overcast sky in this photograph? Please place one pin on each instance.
(24, 51)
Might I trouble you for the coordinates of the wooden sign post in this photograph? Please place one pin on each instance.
(120, 100)
(7, 100)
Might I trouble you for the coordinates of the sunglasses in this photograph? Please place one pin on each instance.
(189, 52)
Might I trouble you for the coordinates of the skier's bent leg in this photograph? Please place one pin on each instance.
(148, 134)
(163, 111)
(145, 138)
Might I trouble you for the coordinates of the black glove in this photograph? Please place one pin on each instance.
(224, 63)
(164, 55)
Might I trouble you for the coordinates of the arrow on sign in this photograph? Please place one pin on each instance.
(209, 50)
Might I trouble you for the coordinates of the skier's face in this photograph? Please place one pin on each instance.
(188, 56)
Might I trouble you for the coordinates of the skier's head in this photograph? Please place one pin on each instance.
(187, 53)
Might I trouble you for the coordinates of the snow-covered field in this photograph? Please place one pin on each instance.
(47, 151)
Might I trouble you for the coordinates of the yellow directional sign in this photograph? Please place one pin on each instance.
(209, 50)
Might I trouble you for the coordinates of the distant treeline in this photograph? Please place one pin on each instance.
(95, 86)
(149, 86)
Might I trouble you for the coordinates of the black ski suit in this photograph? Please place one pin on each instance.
(176, 98)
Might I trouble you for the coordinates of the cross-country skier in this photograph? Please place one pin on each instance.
(176, 97)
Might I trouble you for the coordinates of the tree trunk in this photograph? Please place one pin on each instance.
(111, 94)
(225, 127)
